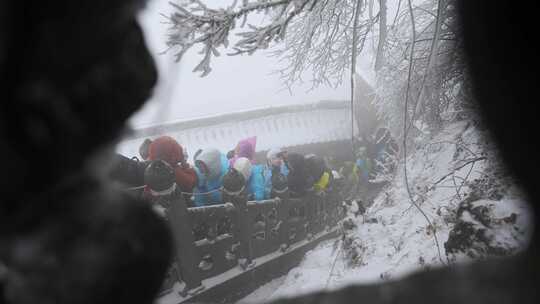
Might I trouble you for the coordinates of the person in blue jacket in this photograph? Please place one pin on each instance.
(210, 166)
(254, 177)
(274, 163)
(363, 165)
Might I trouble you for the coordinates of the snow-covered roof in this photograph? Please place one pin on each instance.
(274, 127)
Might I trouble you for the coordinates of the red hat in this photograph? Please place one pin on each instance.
(166, 148)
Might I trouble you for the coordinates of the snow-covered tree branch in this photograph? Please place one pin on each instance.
(437, 90)
(312, 36)
(194, 23)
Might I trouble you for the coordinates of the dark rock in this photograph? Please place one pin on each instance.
(470, 235)
(372, 221)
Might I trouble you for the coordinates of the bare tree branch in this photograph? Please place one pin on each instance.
(193, 23)
(457, 169)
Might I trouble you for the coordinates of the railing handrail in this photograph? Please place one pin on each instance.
(258, 228)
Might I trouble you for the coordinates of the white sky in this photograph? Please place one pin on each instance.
(236, 82)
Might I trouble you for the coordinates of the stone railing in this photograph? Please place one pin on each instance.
(214, 239)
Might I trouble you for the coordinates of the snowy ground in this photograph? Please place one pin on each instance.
(393, 238)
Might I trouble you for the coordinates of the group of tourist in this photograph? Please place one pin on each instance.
(376, 161)
(202, 182)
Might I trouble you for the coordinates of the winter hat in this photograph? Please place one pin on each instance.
(295, 161)
(274, 157)
(166, 148)
(243, 165)
(279, 183)
(160, 178)
(245, 149)
(315, 166)
(211, 158)
(233, 182)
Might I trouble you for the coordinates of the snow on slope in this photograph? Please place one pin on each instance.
(393, 239)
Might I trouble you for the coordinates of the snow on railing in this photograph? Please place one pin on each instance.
(213, 239)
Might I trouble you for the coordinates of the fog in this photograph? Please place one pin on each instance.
(233, 188)
(235, 83)
(388, 240)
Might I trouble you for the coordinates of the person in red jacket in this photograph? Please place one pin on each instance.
(169, 150)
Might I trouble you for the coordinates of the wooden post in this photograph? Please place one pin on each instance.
(184, 241)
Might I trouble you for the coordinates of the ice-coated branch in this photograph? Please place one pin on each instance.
(313, 36)
(321, 43)
(261, 37)
(468, 162)
(194, 23)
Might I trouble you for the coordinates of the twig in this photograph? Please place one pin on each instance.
(456, 186)
(456, 169)
(466, 177)
(333, 266)
(454, 143)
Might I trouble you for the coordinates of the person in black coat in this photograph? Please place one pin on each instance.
(298, 176)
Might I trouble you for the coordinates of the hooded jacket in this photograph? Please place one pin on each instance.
(315, 166)
(245, 148)
(323, 182)
(317, 171)
(167, 149)
(217, 165)
(273, 165)
(243, 165)
(297, 179)
(364, 168)
(254, 177)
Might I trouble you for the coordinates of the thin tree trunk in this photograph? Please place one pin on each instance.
(432, 55)
(370, 13)
(379, 61)
(353, 67)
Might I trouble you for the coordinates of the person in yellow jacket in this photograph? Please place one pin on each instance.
(323, 182)
(318, 172)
